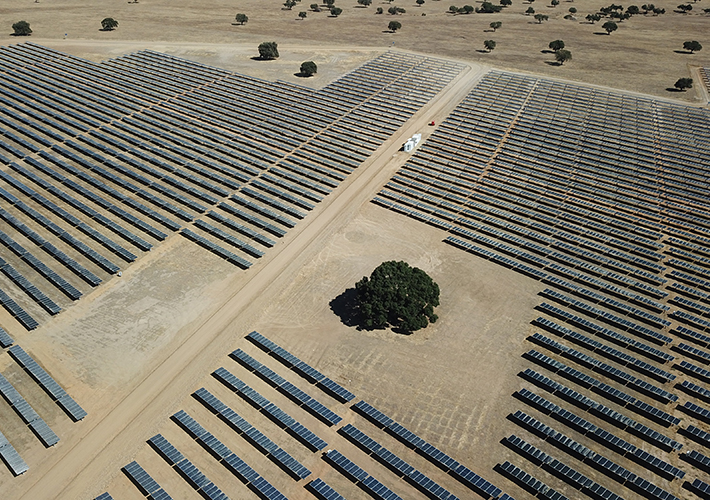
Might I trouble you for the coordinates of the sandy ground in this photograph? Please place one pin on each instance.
(644, 55)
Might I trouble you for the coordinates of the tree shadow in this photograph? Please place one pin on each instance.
(482, 51)
(553, 63)
(547, 51)
(673, 89)
(345, 306)
(301, 75)
(259, 58)
(682, 52)
(601, 33)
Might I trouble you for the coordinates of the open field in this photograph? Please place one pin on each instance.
(640, 56)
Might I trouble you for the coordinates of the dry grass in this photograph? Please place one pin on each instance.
(638, 57)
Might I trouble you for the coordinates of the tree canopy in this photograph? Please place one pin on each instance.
(609, 26)
(541, 17)
(108, 24)
(309, 68)
(241, 18)
(336, 11)
(394, 26)
(22, 28)
(268, 50)
(488, 8)
(692, 46)
(495, 25)
(562, 55)
(684, 83)
(489, 45)
(397, 295)
(556, 45)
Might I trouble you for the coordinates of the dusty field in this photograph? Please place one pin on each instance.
(640, 56)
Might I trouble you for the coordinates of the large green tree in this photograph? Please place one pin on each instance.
(397, 295)
(394, 26)
(22, 28)
(692, 46)
(242, 18)
(109, 24)
(562, 55)
(268, 50)
(309, 68)
(609, 26)
(684, 83)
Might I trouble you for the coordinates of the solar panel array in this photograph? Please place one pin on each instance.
(50, 386)
(602, 197)
(10, 456)
(105, 161)
(295, 452)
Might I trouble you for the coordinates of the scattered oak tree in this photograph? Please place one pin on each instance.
(541, 17)
(22, 28)
(420, 2)
(466, 9)
(393, 26)
(315, 7)
(495, 25)
(268, 50)
(397, 295)
(364, 3)
(609, 26)
(530, 11)
(556, 45)
(303, 14)
(336, 11)
(241, 18)
(692, 46)
(109, 24)
(379, 10)
(506, 3)
(289, 4)
(309, 68)
(684, 83)
(489, 45)
(488, 8)
(562, 55)
(685, 8)
(593, 18)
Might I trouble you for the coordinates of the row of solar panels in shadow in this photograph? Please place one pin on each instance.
(396, 464)
(27, 413)
(50, 386)
(272, 411)
(312, 405)
(5, 339)
(581, 425)
(605, 350)
(600, 410)
(605, 332)
(302, 368)
(230, 257)
(260, 441)
(582, 482)
(26, 286)
(17, 312)
(64, 215)
(534, 486)
(604, 390)
(218, 450)
(605, 369)
(9, 455)
(430, 452)
(654, 464)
